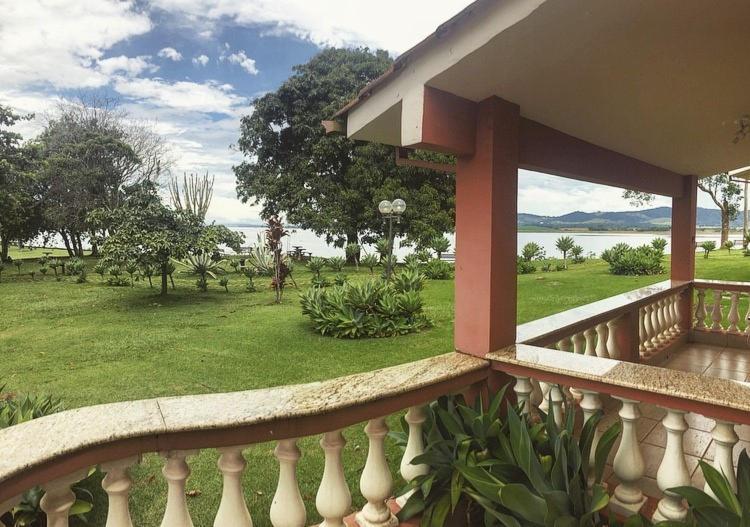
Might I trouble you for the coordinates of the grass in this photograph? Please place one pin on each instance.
(90, 343)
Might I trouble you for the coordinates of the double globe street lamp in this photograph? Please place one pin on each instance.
(391, 210)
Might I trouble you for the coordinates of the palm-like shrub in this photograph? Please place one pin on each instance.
(408, 280)
(316, 265)
(564, 244)
(660, 244)
(383, 248)
(728, 246)
(707, 247)
(261, 258)
(411, 261)
(634, 261)
(370, 261)
(577, 254)
(368, 309)
(101, 269)
(532, 251)
(336, 263)
(131, 268)
(224, 282)
(440, 244)
(437, 270)
(202, 265)
(235, 265)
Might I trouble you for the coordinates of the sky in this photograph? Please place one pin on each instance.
(193, 68)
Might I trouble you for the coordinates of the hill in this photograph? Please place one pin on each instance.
(658, 218)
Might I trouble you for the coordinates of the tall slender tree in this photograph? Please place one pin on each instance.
(726, 194)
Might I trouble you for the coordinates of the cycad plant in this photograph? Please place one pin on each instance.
(565, 244)
(100, 268)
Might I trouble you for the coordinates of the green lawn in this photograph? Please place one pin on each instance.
(89, 343)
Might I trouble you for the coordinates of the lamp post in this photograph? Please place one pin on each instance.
(391, 210)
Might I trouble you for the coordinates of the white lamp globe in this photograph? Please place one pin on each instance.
(399, 206)
(385, 207)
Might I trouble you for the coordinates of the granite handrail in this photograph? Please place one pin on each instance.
(544, 374)
(51, 448)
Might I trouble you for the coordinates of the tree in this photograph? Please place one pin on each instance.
(195, 195)
(725, 193)
(326, 183)
(20, 200)
(707, 247)
(564, 244)
(532, 251)
(148, 232)
(440, 244)
(638, 198)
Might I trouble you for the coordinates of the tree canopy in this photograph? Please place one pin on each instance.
(326, 183)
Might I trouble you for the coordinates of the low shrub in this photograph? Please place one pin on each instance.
(411, 260)
(340, 279)
(437, 270)
(224, 282)
(707, 247)
(319, 281)
(524, 266)
(408, 280)
(576, 253)
(316, 265)
(561, 267)
(369, 309)
(370, 261)
(336, 263)
(635, 261)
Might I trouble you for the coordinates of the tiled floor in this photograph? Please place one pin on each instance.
(727, 363)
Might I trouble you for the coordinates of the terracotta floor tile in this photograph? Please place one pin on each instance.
(652, 411)
(688, 366)
(732, 363)
(725, 374)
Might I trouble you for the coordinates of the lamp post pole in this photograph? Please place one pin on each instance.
(390, 211)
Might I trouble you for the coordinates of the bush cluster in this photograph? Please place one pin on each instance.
(369, 309)
(437, 270)
(525, 266)
(635, 261)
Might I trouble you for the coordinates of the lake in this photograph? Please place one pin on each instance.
(595, 242)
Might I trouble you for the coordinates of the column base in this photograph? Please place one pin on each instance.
(626, 509)
(392, 521)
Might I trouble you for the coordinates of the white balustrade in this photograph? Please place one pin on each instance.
(673, 471)
(601, 340)
(557, 397)
(612, 348)
(176, 472)
(415, 418)
(725, 438)
(677, 314)
(590, 336)
(232, 508)
(653, 312)
(287, 507)
(700, 309)
(376, 482)
(523, 389)
(642, 331)
(628, 464)
(59, 498)
(333, 500)
(579, 344)
(661, 323)
(734, 315)
(716, 315)
(117, 484)
(591, 404)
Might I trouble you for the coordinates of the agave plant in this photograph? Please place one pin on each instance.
(370, 261)
(100, 268)
(336, 263)
(202, 265)
(316, 265)
(261, 258)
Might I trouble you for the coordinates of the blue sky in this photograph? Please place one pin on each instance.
(193, 67)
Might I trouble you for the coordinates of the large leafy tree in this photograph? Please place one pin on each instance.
(20, 200)
(726, 194)
(331, 184)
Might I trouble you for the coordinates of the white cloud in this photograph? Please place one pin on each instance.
(200, 60)
(171, 54)
(391, 24)
(243, 61)
(207, 97)
(130, 66)
(58, 42)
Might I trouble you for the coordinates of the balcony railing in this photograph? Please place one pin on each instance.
(612, 348)
(114, 436)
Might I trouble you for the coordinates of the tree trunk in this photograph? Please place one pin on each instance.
(79, 245)
(94, 246)
(66, 241)
(724, 227)
(353, 258)
(4, 246)
(164, 275)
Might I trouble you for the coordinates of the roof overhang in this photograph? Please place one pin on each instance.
(665, 82)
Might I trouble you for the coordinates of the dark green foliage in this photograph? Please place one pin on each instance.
(524, 266)
(224, 282)
(370, 261)
(101, 269)
(532, 251)
(634, 261)
(411, 260)
(336, 263)
(513, 472)
(577, 254)
(560, 267)
(707, 247)
(328, 183)
(423, 255)
(437, 270)
(408, 280)
(728, 245)
(383, 248)
(316, 265)
(440, 244)
(340, 279)
(368, 309)
(319, 281)
(565, 244)
(660, 244)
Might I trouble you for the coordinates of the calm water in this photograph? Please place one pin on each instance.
(591, 242)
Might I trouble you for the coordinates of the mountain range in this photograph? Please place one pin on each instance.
(658, 218)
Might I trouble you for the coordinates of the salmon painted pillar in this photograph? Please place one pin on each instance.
(684, 210)
(486, 232)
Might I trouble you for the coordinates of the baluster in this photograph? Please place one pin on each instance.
(565, 344)
(669, 330)
(232, 508)
(612, 348)
(747, 317)
(716, 315)
(556, 394)
(579, 344)
(590, 336)
(700, 310)
(523, 389)
(287, 507)
(648, 343)
(628, 464)
(676, 319)
(641, 332)
(724, 438)
(654, 326)
(117, 484)
(415, 418)
(333, 499)
(59, 498)
(734, 315)
(673, 471)
(376, 481)
(591, 404)
(176, 472)
(536, 393)
(601, 340)
(661, 321)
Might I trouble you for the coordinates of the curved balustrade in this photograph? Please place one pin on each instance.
(113, 436)
(718, 314)
(678, 393)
